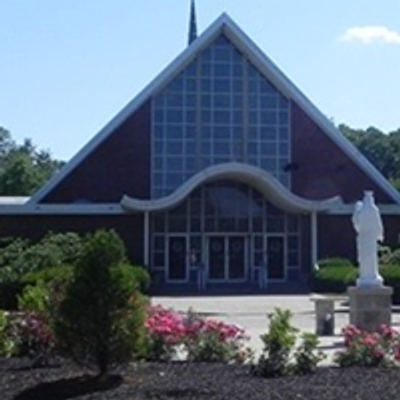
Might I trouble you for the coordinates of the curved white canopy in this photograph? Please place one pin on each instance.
(270, 187)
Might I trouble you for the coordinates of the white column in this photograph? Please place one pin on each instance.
(314, 238)
(146, 239)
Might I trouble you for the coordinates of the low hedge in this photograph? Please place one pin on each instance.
(391, 277)
(336, 275)
(334, 279)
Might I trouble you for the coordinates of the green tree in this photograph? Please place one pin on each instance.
(99, 319)
(23, 168)
(383, 150)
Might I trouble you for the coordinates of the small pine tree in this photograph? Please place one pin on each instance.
(99, 320)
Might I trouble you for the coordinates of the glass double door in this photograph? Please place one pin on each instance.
(226, 258)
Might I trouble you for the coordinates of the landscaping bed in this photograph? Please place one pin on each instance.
(148, 381)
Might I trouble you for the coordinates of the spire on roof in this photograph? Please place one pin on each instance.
(192, 23)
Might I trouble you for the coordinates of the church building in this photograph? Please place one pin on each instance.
(220, 176)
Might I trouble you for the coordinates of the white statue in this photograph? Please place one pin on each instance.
(368, 225)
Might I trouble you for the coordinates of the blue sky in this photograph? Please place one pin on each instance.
(68, 66)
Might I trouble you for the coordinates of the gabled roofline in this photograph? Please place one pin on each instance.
(267, 67)
(264, 182)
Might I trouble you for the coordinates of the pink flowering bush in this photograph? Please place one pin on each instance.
(378, 349)
(27, 334)
(197, 338)
(165, 332)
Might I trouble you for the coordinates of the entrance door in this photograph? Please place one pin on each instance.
(276, 257)
(237, 257)
(216, 258)
(177, 260)
(226, 258)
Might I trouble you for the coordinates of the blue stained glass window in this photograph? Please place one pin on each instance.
(190, 164)
(206, 148)
(159, 116)
(241, 116)
(237, 117)
(238, 88)
(158, 131)
(191, 85)
(269, 118)
(269, 164)
(206, 100)
(283, 117)
(174, 131)
(206, 116)
(267, 87)
(190, 116)
(253, 86)
(158, 179)
(222, 101)
(237, 101)
(252, 71)
(206, 85)
(252, 149)
(284, 133)
(268, 149)
(253, 118)
(283, 148)
(176, 85)
(174, 180)
(174, 147)
(253, 101)
(237, 70)
(237, 56)
(191, 70)
(268, 101)
(221, 117)
(206, 55)
(222, 132)
(206, 132)
(222, 85)
(158, 163)
(253, 132)
(190, 100)
(221, 148)
(222, 70)
(174, 115)
(268, 133)
(222, 41)
(190, 132)
(237, 132)
(174, 100)
(158, 147)
(222, 54)
(283, 102)
(174, 163)
(206, 70)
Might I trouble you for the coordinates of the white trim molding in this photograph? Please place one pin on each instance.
(270, 187)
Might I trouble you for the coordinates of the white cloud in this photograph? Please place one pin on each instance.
(371, 34)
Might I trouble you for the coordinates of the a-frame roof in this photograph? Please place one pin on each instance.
(224, 24)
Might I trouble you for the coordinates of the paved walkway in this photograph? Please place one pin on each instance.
(250, 312)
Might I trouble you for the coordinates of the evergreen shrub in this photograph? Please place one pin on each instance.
(101, 319)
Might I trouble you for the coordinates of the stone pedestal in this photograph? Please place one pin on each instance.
(370, 307)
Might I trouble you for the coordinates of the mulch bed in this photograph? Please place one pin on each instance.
(197, 381)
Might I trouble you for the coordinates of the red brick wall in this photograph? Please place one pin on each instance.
(322, 170)
(119, 165)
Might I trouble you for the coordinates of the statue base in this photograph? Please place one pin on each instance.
(370, 307)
